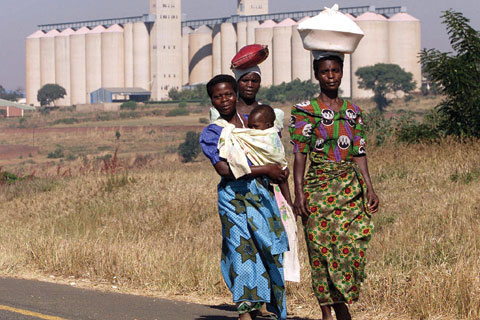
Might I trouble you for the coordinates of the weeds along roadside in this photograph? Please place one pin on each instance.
(156, 228)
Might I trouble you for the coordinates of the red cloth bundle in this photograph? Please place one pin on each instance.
(250, 56)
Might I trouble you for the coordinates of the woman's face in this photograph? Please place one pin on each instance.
(329, 74)
(248, 85)
(224, 99)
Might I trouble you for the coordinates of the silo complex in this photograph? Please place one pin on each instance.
(216, 50)
(372, 49)
(229, 46)
(78, 66)
(32, 66)
(301, 58)
(141, 56)
(264, 35)
(282, 51)
(47, 54)
(128, 54)
(405, 44)
(93, 48)
(200, 55)
(158, 51)
(62, 64)
(185, 59)
(113, 75)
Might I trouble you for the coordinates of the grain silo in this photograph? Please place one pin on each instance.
(47, 54)
(301, 60)
(62, 64)
(282, 51)
(251, 26)
(93, 46)
(32, 67)
(166, 47)
(241, 34)
(346, 86)
(264, 35)
(113, 63)
(141, 56)
(200, 55)
(372, 49)
(128, 53)
(78, 91)
(405, 44)
(216, 50)
(229, 46)
(185, 46)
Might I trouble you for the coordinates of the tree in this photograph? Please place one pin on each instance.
(190, 148)
(10, 95)
(50, 93)
(457, 76)
(383, 79)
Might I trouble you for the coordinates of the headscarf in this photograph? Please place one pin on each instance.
(241, 72)
(319, 54)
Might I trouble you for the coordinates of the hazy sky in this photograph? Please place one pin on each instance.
(19, 18)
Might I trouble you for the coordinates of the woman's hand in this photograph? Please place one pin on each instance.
(300, 207)
(373, 202)
(276, 173)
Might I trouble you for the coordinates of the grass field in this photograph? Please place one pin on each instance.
(148, 223)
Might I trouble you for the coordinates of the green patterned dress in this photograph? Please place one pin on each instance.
(339, 226)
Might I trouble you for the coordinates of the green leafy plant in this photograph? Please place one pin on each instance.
(129, 105)
(49, 93)
(382, 79)
(457, 75)
(190, 148)
(177, 112)
(57, 153)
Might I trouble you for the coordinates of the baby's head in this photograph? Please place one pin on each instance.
(262, 117)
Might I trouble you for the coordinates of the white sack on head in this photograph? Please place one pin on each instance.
(330, 30)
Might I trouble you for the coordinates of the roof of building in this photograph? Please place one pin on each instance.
(7, 103)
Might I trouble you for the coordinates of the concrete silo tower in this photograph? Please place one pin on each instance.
(252, 7)
(200, 55)
(113, 57)
(141, 56)
(372, 49)
(62, 64)
(301, 58)
(166, 47)
(78, 79)
(93, 58)
(264, 35)
(47, 62)
(282, 51)
(32, 66)
(405, 44)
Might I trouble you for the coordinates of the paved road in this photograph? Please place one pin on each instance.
(33, 300)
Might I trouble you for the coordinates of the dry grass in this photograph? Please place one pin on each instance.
(154, 227)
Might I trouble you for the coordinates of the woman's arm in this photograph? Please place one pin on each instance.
(373, 201)
(300, 204)
(273, 171)
(285, 189)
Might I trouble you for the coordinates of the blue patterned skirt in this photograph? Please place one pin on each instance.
(253, 244)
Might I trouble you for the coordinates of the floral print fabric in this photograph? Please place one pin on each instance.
(337, 231)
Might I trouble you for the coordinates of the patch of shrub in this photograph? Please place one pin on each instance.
(411, 131)
(190, 148)
(8, 177)
(177, 112)
(129, 114)
(57, 153)
(157, 112)
(65, 121)
(104, 116)
(182, 104)
(466, 177)
(129, 105)
(203, 120)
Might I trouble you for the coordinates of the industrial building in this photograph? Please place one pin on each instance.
(157, 51)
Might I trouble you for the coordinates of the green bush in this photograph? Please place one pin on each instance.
(157, 112)
(411, 131)
(57, 153)
(66, 121)
(177, 112)
(182, 104)
(129, 105)
(203, 120)
(129, 114)
(8, 177)
(190, 148)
